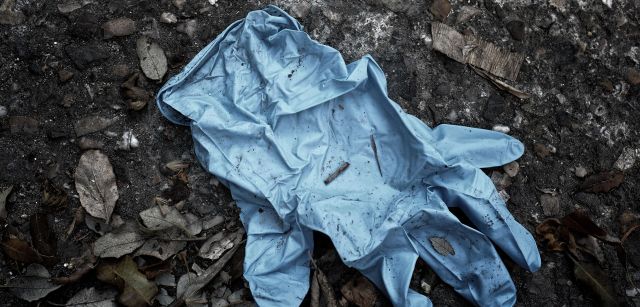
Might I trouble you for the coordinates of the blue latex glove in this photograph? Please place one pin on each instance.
(274, 113)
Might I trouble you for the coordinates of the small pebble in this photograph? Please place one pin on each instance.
(633, 76)
(581, 172)
(65, 75)
(118, 27)
(627, 159)
(550, 204)
(120, 70)
(128, 141)
(168, 17)
(188, 27)
(517, 29)
(440, 9)
(179, 4)
(501, 128)
(512, 169)
(542, 151)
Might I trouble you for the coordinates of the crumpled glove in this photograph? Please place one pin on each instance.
(274, 113)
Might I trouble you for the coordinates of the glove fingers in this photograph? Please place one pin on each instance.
(482, 204)
(462, 257)
(390, 268)
(478, 147)
(276, 263)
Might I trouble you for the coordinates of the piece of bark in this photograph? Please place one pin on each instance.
(468, 49)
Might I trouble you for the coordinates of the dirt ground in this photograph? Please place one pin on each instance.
(582, 114)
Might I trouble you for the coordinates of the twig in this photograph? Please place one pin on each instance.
(375, 153)
(337, 173)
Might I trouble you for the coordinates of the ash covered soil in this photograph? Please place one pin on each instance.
(581, 63)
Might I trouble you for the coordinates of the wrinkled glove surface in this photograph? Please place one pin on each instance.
(273, 113)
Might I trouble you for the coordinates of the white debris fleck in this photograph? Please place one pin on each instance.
(627, 159)
(581, 172)
(501, 128)
(128, 142)
(608, 3)
(168, 17)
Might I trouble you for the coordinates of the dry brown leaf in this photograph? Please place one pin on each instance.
(121, 242)
(163, 217)
(219, 243)
(3, 202)
(442, 246)
(325, 286)
(161, 249)
(136, 289)
(96, 184)
(189, 285)
(33, 285)
(602, 182)
(360, 291)
(84, 265)
(19, 250)
(592, 276)
(315, 290)
(43, 238)
(54, 198)
(91, 297)
(152, 59)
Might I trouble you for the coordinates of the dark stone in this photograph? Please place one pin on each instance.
(494, 8)
(23, 50)
(563, 118)
(56, 133)
(495, 107)
(516, 29)
(86, 26)
(23, 124)
(83, 56)
(35, 69)
(443, 90)
(453, 66)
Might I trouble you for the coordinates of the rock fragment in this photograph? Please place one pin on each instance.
(542, 150)
(179, 4)
(516, 28)
(3, 111)
(72, 5)
(581, 172)
(633, 76)
(550, 204)
(8, 16)
(83, 56)
(65, 75)
(23, 124)
(87, 143)
(495, 106)
(440, 9)
(512, 169)
(91, 124)
(128, 141)
(120, 71)
(118, 27)
(627, 159)
(189, 27)
(168, 17)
